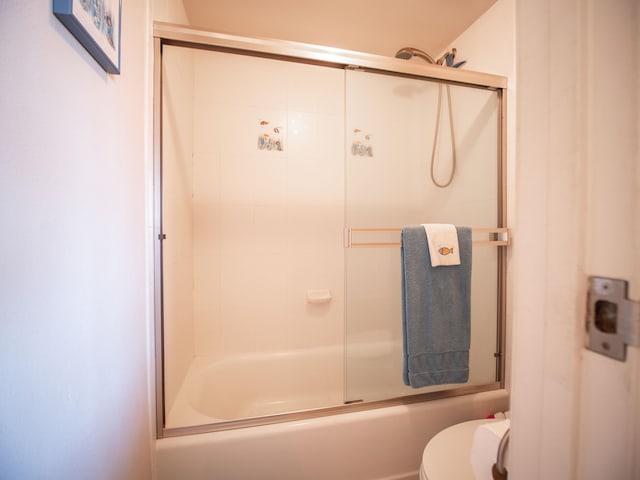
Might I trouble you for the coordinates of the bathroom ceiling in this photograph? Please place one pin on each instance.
(374, 26)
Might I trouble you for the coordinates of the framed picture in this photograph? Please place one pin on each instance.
(96, 25)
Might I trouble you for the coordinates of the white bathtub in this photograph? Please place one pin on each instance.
(257, 385)
(379, 444)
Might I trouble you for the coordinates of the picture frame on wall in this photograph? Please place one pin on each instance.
(96, 25)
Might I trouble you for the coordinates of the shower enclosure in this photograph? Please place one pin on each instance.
(283, 176)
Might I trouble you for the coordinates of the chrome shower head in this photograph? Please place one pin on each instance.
(404, 54)
(407, 52)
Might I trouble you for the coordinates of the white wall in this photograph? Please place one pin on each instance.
(268, 224)
(74, 401)
(171, 11)
(373, 26)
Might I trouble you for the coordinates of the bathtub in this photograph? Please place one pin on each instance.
(257, 385)
(383, 443)
(379, 444)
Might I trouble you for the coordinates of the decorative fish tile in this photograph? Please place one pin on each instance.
(270, 137)
(361, 144)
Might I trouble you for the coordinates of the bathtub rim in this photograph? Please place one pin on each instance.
(165, 432)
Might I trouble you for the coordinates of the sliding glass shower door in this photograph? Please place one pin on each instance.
(392, 125)
(275, 177)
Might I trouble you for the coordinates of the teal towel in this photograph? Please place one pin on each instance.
(436, 312)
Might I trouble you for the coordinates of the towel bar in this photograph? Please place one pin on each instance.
(496, 236)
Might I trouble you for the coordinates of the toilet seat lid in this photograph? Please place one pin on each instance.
(448, 453)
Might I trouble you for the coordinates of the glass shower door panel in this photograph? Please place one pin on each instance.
(391, 126)
(253, 211)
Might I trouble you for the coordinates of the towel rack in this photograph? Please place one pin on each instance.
(493, 236)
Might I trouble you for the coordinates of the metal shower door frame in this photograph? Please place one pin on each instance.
(180, 35)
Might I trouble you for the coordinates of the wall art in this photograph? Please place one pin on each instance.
(96, 25)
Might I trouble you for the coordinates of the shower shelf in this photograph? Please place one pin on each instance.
(499, 237)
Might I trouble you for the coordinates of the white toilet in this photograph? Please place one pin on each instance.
(447, 456)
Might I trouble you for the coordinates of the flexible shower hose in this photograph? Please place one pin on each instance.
(435, 139)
